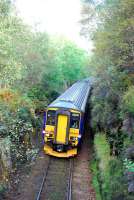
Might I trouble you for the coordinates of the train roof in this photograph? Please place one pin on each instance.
(75, 97)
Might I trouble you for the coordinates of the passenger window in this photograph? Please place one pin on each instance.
(51, 117)
(74, 120)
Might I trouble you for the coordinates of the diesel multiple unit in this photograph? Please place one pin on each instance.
(64, 120)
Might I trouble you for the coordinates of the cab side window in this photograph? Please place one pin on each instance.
(74, 120)
(51, 117)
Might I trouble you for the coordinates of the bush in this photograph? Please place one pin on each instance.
(128, 100)
(16, 122)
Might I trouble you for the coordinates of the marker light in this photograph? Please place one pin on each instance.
(73, 138)
(48, 134)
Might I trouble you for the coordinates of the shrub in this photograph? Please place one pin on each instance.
(16, 122)
(128, 100)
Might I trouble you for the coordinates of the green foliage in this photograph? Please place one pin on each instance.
(95, 177)
(2, 190)
(106, 100)
(5, 8)
(62, 63)
(112, 60)
(31, 154)
(34, 69)
(73, 63)
(14, 36)
(112, 42)
(37, 96)
(19, 130)
(106, 110)
(110, 170)
(128, 100)
(129, 165)
(116, 180)
(102, 151)
(110, 25)
(16, 122)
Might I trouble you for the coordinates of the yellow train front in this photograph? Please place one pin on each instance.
(64, 120)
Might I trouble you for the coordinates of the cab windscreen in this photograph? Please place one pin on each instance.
(74, 120)
(51, 117)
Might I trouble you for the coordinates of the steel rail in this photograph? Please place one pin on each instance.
(43, 181)
(69, 182)
(69, 188)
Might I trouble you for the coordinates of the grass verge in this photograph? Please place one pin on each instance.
(107, 171)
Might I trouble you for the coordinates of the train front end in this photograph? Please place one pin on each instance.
(64, 120)
(62, 132)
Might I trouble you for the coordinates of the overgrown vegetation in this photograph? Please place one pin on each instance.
(110, 171)
(110, 24)
(34, 69)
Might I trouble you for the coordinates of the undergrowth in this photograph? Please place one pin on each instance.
(107, 172)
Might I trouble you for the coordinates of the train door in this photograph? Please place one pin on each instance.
(62, 128)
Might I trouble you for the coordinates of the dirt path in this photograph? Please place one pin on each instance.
(82, 188)
(29, 181)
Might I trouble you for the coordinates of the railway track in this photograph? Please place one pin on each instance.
(57, 180)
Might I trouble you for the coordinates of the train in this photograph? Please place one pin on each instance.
(64, 120)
